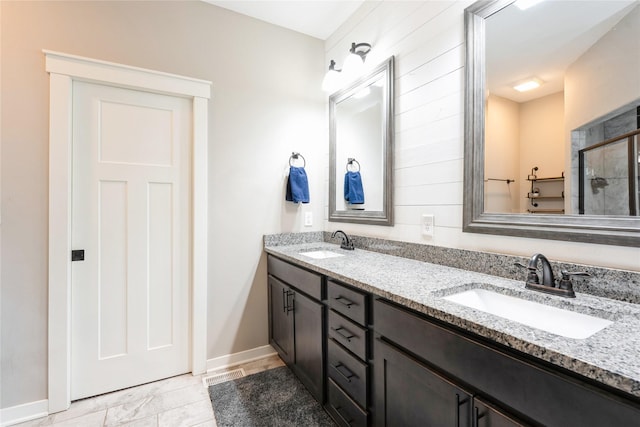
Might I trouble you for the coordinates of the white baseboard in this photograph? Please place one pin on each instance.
(25, 412)
(241, 357)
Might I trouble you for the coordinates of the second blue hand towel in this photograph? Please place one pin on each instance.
(353, 190)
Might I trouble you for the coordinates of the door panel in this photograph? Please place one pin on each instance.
(309, 318)
(407, 393)
(112, 279)
(131, 196)
(281, 325)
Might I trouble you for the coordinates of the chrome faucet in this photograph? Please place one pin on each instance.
(347, 243)
(563, 287)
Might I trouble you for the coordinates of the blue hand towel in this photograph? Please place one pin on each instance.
(353, 191)
(297, 186)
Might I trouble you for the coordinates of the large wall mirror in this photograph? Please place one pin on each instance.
(361, 149)
(559, 161)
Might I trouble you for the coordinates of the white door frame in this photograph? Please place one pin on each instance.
(63, 69)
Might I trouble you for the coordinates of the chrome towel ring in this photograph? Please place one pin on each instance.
(295, 156)
(350, 162)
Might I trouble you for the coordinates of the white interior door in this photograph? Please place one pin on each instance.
(131, 198)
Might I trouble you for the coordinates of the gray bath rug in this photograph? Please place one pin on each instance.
(266, 399)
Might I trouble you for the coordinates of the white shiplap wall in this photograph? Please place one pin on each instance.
(427, 39)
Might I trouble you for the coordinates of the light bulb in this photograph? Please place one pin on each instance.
(353, 67)
(331, 81)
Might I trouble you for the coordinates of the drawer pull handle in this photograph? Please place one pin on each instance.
(342, 417)
(459, 403)
(477, 416)
(347, 376)
(290, 305)
(342, 300)
(346, 336)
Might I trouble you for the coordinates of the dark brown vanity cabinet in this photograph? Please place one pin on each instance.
(409, 393)
(383, 364)
(296, 319)
(347, 355)
(418, 360)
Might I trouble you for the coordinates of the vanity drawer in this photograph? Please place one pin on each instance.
(348, 372)
(352, 336)
(349, 302)
(344, 410)
(306, 281)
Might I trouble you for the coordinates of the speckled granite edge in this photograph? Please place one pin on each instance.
(622, 285)
(285, 239)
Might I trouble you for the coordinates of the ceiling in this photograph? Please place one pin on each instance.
(543, 41)
(317, 18)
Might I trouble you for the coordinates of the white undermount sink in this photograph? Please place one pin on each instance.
(321, 254)
(561, 322)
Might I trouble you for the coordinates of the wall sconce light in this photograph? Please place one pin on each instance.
(354, 64)
(352, 68)
(332, 80)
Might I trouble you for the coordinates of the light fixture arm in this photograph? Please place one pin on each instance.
(360, 49)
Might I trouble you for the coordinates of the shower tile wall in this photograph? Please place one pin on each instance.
(606, 189)
(609, 197)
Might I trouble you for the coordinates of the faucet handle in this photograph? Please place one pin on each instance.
(565, 281)
(566, 274)
(532, 277)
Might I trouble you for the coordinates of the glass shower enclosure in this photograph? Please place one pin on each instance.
(609, 177)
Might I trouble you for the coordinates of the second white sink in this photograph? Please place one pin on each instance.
(541, 316)
(321, 254)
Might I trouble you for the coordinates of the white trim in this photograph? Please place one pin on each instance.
(25, 412)
(241, 357)
(63, 69)
(82, 68)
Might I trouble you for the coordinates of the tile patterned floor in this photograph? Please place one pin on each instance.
(173, 402)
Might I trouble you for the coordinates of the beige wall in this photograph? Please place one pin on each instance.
(427, 38)
(590, 90)
(502, 155)
(541, 141)
(266, 102)
(519, 136)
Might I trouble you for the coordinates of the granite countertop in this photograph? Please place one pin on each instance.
(610, 356)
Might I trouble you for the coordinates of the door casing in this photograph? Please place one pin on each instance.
(63, 69)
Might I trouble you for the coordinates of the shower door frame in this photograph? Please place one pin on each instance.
(633, 142)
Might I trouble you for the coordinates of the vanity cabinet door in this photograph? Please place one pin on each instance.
(296, 322)
(308, 320)
(281, 319)
(408, 393)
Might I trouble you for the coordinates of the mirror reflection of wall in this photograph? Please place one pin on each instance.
(359, 135)
(361, 128)
(585, 55)
(519, 137)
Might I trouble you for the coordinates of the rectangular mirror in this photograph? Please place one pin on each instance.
(532, 167)
(361, 149)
